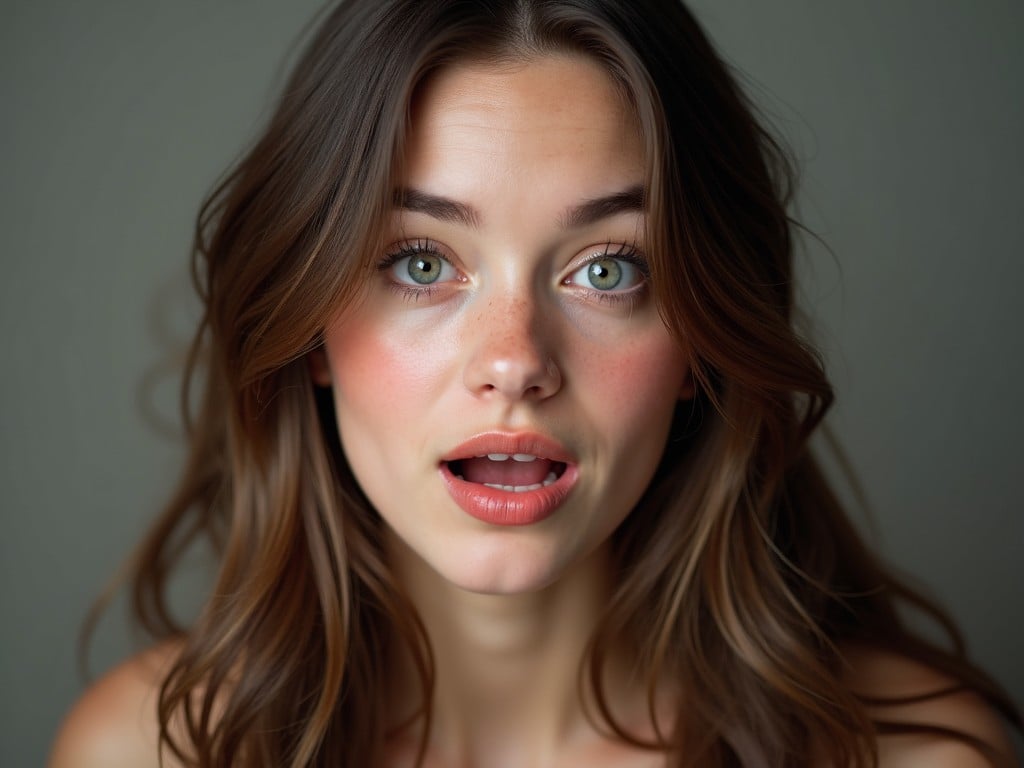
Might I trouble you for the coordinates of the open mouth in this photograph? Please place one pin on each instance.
(511, 479)
(516, 472)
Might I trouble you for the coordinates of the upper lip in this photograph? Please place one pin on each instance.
(532, 443)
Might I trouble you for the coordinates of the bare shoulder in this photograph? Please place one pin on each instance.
(114, 723)
(879, 674)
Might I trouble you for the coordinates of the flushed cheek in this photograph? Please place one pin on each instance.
(637, 376)
(630, 402)
(386, 383)
(404, 361)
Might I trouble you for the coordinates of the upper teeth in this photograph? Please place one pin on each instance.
(514, 457)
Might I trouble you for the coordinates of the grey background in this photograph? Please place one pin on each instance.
(117, 116)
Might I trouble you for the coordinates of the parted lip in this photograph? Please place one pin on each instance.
(533, 443)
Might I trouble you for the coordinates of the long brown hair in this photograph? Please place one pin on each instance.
(740, 578)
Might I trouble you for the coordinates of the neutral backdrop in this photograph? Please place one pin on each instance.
(116, 116)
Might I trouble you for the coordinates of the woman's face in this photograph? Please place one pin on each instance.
(505, 390)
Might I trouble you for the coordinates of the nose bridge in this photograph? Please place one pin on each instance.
(510, 345)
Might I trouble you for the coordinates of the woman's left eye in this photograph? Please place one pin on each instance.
(610, 272)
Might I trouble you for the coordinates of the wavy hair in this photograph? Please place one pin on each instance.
(740, 578)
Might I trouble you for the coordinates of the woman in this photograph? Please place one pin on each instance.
(504, 439)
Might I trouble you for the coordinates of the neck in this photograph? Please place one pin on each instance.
(507, 666)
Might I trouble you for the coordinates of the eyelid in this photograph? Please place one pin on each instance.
(408, 248)
(629, 253)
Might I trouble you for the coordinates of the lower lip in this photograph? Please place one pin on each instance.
(498, 507)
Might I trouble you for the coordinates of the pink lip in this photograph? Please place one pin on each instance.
(510, 442)
(498, 507)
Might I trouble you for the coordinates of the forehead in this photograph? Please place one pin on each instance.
(545, 113)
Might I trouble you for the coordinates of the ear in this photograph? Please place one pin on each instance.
(688, 390)
(319, 368)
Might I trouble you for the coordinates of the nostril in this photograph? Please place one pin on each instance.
(512, 371)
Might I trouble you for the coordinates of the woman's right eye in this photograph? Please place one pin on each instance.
(418, 264)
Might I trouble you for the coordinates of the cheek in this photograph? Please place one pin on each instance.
(385, 369)
(386, 380)
(631, 400)
(643, 378)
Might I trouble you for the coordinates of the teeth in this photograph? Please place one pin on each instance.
(520, 488)
(515, 488)
(506, 457)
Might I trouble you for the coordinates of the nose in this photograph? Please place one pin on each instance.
(510, 353)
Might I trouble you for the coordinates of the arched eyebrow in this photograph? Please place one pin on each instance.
(592, 211)
(588, 212)
(437, 207)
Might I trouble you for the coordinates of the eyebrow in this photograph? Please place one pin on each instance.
(592, 211)
(588, 212)
(437, 207)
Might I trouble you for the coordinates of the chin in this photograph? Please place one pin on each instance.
(495, 568)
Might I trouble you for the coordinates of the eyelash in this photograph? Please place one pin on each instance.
(404, 250)
(627, 252)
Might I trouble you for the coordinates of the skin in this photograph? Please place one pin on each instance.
(113, 725)
(500, 341)
(510, 339)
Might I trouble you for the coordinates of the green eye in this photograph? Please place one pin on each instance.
(604, 274)
(419, 267)
(424, 268)
(614, 272)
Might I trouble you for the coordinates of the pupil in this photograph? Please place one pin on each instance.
(424, 269)
(605, 274)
